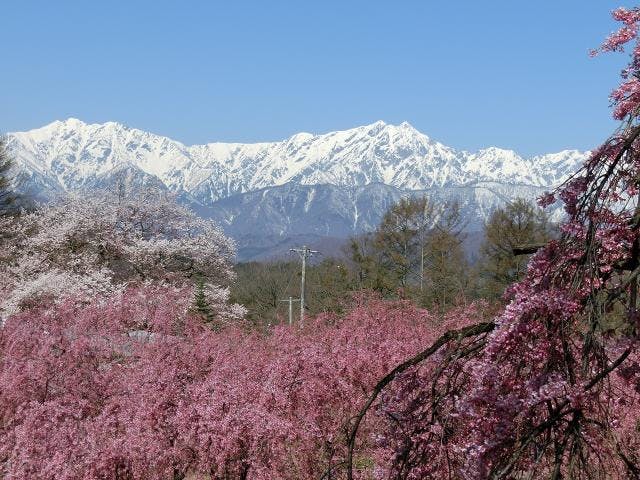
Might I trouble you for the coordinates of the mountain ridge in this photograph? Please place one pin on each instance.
(330, 185)
(397, 155)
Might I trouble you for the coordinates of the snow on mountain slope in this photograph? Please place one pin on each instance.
(71, 155)
(260, 220)
(268, 195)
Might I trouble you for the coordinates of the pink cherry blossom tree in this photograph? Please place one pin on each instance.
(550, 388)
(138, 388)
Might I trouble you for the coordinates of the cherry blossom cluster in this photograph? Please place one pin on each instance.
(95, 245)
(138, 388)
(550, 392)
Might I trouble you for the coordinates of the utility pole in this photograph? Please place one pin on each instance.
(290, 300)
(421, 265)
(304, 253)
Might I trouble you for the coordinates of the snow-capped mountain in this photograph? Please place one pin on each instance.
(333, 184)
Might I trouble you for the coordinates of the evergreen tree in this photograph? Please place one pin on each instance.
(446, 277)
(519, 223)
(416, 250)
(201, 304)
(398, 238)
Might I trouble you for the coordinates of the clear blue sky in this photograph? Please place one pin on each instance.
(469, 73)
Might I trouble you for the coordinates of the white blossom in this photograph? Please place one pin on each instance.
(95, 245)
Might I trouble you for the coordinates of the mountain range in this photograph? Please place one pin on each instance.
(307, 188)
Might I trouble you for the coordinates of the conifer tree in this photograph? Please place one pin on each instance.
(519, 223)
(445, 273)
(398, 238)
(415, 251)
(201, 305)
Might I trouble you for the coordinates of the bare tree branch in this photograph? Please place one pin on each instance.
(451, 335)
